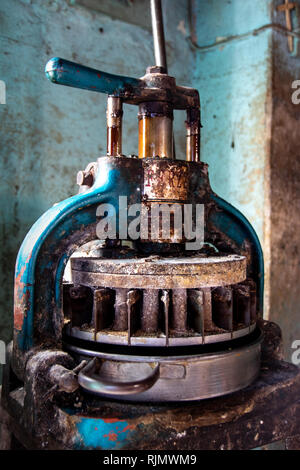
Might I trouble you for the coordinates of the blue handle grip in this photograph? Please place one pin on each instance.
(68, 73)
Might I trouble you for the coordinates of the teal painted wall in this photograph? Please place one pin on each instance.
(234, 78)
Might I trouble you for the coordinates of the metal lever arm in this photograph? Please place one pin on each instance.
(151, 87)
(64, 72)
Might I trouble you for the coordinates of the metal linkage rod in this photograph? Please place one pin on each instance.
(158, 34)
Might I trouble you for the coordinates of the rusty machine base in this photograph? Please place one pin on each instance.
(266, 411)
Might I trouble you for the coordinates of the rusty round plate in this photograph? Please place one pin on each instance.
(160, 273)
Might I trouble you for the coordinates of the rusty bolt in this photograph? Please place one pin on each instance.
(85, 178)
(65, 379)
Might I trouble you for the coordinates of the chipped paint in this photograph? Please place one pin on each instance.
(98, 433)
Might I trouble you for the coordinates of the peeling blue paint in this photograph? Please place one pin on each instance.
(102, 434)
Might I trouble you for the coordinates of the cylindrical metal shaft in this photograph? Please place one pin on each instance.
(158, 34)
(154, 137)
(253, 300)
(242, 312)
(179, 306)
(193, 135)
(150, 310)
(114, 126)
(121, 313)
(155, 130)
(222, 306)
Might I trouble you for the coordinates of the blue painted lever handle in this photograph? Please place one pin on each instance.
(68, 73)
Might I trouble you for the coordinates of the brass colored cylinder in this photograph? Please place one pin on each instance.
(114, 126)
(155, 130)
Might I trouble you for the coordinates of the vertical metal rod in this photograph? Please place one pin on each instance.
(241, 305)
(121, 310)
(114, 126)
(179, 304)
(150, 310)
(100, 315)
(132, 298)
(165, 298)
(222, 304)
(207, 310)
(196, 300)
(193, 135)
(158, 34)
(253, 300)
(159, 44)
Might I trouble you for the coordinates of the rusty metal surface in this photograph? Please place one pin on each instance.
(266, 411)
(165, 180)
(179, 311)
(121, 313)
(157, 265)
(193, 126)
(150, 312)
(172, 273)
(223, 307)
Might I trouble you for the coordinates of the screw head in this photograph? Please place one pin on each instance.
(84, 179)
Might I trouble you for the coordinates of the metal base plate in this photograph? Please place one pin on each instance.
(187, 377)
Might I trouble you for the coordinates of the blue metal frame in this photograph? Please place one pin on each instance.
(40, 254)
(43, 257)
(234, 224)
